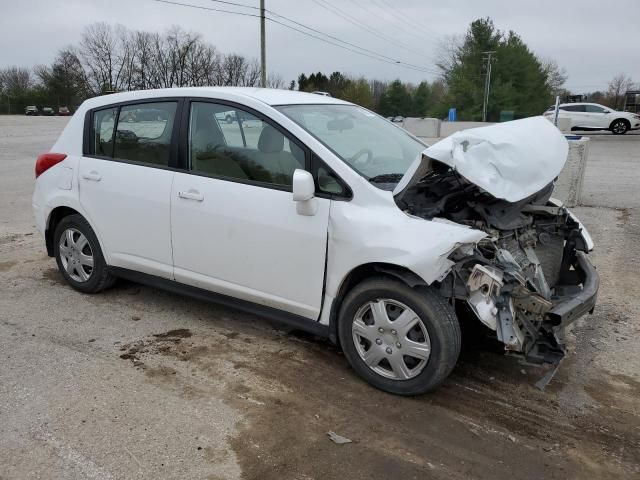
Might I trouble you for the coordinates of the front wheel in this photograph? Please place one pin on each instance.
(619, 127)
(79, 257)
(400, 339)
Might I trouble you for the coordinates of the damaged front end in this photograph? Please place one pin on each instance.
(529, 277)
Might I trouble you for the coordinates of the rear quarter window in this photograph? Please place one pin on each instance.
(103, 124)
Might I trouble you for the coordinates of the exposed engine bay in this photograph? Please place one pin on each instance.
(528, 278)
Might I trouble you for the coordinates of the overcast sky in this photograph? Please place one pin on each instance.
(593, 40)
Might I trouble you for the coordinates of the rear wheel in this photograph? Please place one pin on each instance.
(399, 339)
(619, 127)
(79, 256)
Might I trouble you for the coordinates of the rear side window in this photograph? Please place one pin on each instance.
(103, 123)
(594, 109)
(573, 108)
(143, 133)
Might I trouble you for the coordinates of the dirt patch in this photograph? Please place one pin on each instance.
(174, 334)
(487, 421)
(53, 275)
(13, 237)
(624, 215)
(161, 371)
(4, 266)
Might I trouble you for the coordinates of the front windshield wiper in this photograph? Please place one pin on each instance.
(387, 178)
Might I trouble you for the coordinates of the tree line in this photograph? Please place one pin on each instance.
(114, 58)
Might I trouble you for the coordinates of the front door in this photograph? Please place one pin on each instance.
(235, 228)
(125, 184)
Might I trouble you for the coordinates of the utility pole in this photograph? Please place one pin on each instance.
(263, 50)
(487, 83)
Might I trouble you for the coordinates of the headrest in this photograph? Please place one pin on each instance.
(271, 140)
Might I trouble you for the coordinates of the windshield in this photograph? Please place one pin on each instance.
(372, 146)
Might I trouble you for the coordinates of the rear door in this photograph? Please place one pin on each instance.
(125, 183)
(235, 228)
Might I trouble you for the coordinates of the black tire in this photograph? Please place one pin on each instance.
(619, 127)
(434, 312)
(228, 119)
(99, 277)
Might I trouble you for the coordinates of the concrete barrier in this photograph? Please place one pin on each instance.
(568, 187)
(449, 128)
(564, 124)
(422, 127)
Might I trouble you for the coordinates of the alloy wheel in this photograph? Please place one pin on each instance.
(391, 339)
(76, 255)
(619, 127)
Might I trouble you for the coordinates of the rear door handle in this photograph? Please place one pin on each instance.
(93, 176)
(191, 194)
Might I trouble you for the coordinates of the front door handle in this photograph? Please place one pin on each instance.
(191, 194)
(92, 175)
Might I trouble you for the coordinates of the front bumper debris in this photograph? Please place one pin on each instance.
(570, 309)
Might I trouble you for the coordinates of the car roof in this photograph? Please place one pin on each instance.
(582, 103)
(269, 96)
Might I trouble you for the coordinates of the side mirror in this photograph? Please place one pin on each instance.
(304, 189)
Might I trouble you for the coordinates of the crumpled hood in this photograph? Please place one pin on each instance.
(510, 160)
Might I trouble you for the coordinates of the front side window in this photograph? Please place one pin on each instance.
(143, 133)
(103, 123)
(372, 146)
(233, 143)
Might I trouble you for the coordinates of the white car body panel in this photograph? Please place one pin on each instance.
(362, 233)
(249, 242)
(511, 160)
(129, 205)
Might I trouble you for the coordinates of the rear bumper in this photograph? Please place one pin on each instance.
(569, 310)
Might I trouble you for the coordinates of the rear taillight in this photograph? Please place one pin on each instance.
(48, 160)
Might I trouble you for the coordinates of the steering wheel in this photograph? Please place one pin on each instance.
(361, 152)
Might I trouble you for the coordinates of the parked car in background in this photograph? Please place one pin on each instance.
(592, 116)
(397, 119)
(227, 117)
(325, 217)
(48, 111)
(324, 94)
(64, 111)
(31, 110)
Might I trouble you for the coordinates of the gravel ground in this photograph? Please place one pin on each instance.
(139, 383)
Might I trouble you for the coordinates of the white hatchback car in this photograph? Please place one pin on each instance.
(592, 116)
(323, 215)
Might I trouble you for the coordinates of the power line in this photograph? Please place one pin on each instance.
(373, 55)
(399, 21)
(244, 5)
(358, 23)
(288, 19)
(321, 33)
(394, 11)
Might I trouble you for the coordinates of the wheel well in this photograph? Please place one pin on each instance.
(361, 273)
(621, 119)
(57, 214)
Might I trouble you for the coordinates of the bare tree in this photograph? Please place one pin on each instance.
(618, 86)
(15, 80)
(447, 53)
(252, 75)
(556, 76)
(275, 80)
